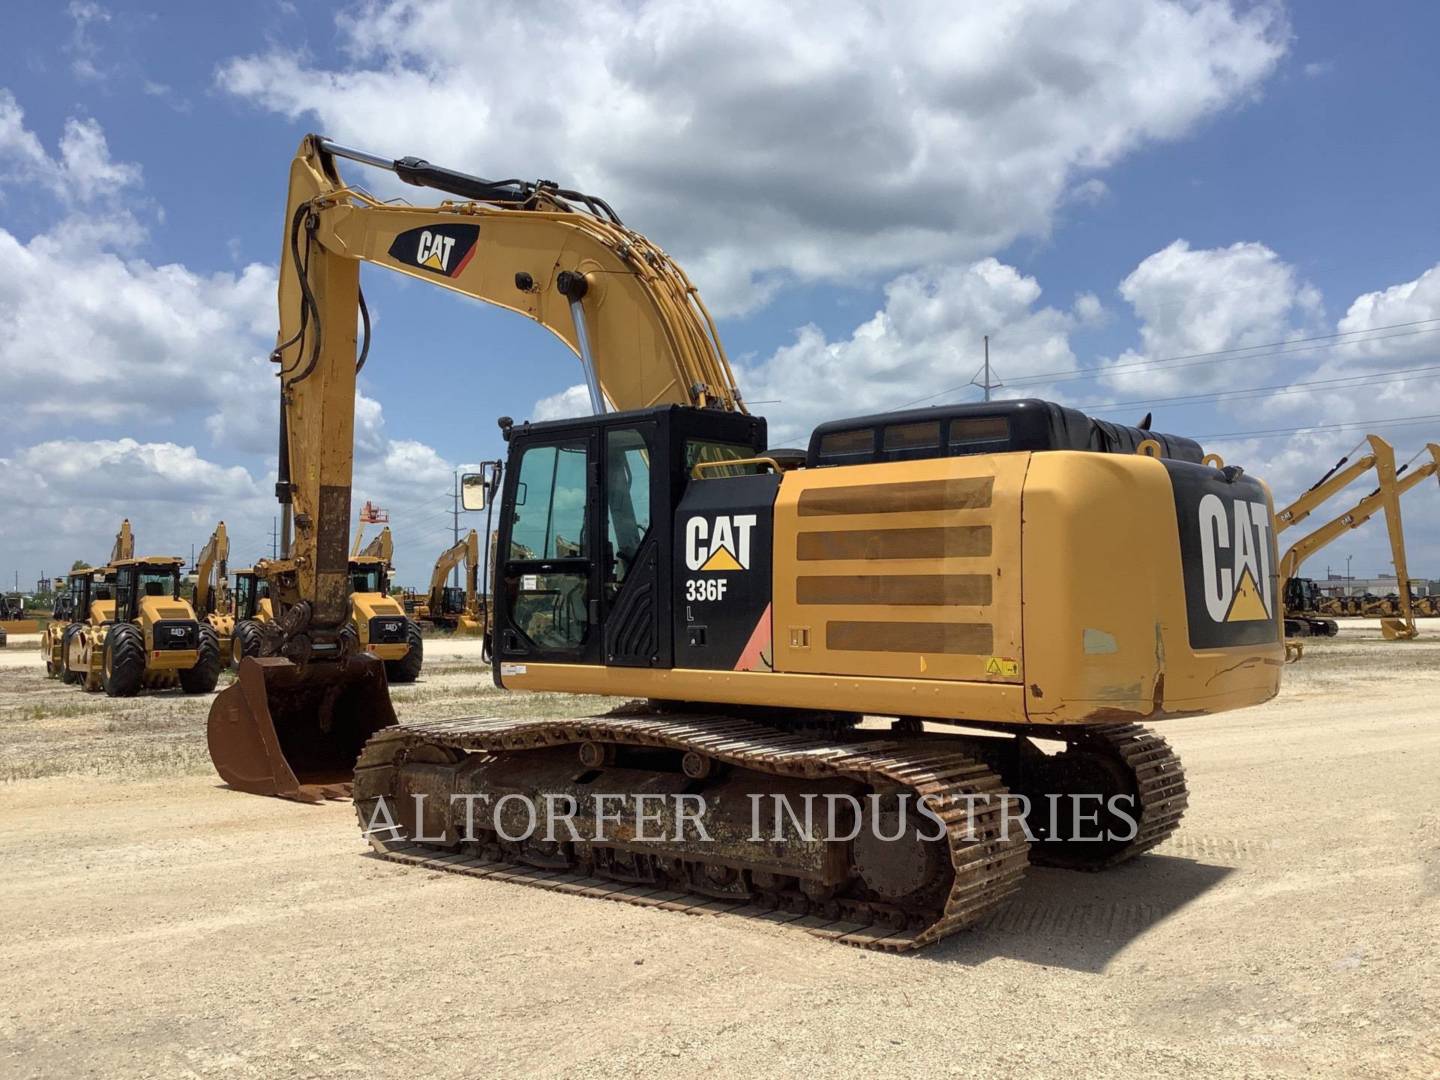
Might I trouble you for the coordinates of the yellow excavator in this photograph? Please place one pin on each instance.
(212, 600)
(450, 607)
(1397, 624)
(974, 578)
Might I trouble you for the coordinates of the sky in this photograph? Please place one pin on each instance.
(1223, 213)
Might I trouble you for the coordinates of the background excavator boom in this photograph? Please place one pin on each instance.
(212, 570)
(1393, 483)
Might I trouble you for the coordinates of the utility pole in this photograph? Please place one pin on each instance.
(274, 537)
(1349, 581)
(987, 385)
(455, 516)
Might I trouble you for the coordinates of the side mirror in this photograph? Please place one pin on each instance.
(476, 489)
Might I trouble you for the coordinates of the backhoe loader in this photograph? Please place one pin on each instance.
(1397, 617)
(449, 607)
(211, 599)
(143, 634)
(974, 577)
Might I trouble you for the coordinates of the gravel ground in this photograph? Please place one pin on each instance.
(160, 925)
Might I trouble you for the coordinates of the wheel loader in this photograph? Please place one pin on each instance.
(72, 607)
(378, 624)
(964, 605)
(138, 632)
(252, 612)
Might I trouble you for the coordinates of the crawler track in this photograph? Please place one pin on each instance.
(983, 867)
(1142, 759)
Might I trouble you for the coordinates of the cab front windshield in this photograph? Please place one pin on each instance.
(156, 582)
(366, 581)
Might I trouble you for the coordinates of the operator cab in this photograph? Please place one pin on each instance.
(369, 575)
(250, 589)
(586, 554)
(992, 427)
(139, 579)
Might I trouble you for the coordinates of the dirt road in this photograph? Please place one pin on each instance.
(160, 925)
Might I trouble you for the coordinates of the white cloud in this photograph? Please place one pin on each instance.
(93, 335)
(1090, 192)
(570, 402)
(809, 140)
(81, 172)
(1409, 302)
(1193, 301)
(928, 336)
(68, 496)
(83, 49)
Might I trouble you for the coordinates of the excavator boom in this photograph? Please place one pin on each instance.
(1385, 498)
(556, 256)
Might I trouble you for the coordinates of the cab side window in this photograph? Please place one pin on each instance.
(550, 605)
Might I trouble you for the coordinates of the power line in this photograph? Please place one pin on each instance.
(1273, 433)
(1238, 352)
(1391, 375)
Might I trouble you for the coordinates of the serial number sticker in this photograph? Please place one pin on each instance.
(512, 669)
(529, 582)
(1002, 665)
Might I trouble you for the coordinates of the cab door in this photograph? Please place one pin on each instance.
(548, 582)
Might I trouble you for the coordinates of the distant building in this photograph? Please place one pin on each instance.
(1340, 585)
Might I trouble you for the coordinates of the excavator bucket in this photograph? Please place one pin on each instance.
(1398, 630)
(292, 731)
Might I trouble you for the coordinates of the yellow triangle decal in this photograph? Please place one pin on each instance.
(722, 560)
(1247, 605)
(433, 262)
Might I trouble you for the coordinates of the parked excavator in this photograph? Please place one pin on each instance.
(211, 598)
(982, 576)
(1397, 621)
(450, 607)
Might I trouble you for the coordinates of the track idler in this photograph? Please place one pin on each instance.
(295, 730)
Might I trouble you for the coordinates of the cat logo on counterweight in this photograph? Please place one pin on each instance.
(1235, 554)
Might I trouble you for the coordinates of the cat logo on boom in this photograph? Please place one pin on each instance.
(443, 249)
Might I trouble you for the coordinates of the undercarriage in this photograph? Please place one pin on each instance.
(885, 839)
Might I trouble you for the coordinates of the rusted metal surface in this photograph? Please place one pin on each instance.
(292, 731)
(912, 899)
